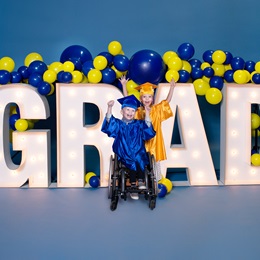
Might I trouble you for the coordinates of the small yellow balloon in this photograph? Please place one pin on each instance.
(255, 121)
(114, 48)
(21, 125)
(136, 93)
(167, 183)
(219, 69)
(201, 87)
(30, 124)
(32, 57)
(52, 89)
(186, 66)
(119, 74)
(49, 76)
(257, 67)
(255, 159)
(88, 176)
(169, 54)
(7, 63)
(77, 76)
(204, 65)
(100, 62)
(213, 96)
(94, 76)
(68, 66)
(174, 63)
(56, 66)
(219, 57)
(84, 79)
(240, 77)
(172, 74)
(131, 85)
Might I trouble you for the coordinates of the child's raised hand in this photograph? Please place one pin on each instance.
(123, 80)
(173, 83)
(110, 103)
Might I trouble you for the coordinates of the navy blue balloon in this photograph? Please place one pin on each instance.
(16, 77)
(87, 66)
(196, 73)
(108, 75)
(108, 56)
(121, 62)
(256, 78)
(186, 51)
(23, 70)
(184, 76)
(207, 56)
(76, 51)
(216, 82)
(44, 88)
(5, 77)
(228, 76)
(250, 66)
(66, 77)
(195, 63)
(237, 63)
(35, 79)
(94, 182)
(208, 72)
(12, 119)
(37, 66)
(229, 57)
(59, 76)
(146, 66)
(162, 190)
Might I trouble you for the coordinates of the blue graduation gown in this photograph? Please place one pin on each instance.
(129, 143)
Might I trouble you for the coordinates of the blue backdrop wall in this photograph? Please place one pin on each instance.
(48, 27)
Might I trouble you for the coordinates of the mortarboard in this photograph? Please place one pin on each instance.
(129, 101)
(146, 89)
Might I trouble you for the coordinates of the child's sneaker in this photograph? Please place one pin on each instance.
(134, 196)
(141, 185)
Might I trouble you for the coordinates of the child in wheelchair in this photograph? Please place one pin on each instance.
(129, 139)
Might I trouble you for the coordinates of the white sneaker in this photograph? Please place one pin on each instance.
(134, 196)
(141, 185)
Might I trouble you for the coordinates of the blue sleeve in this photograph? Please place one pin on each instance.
(112, 127)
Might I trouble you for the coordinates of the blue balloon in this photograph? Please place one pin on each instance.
(216, 82)
(256, 78)
(76, 51)
(250, 66)
(108, 75)
(35, 79)
(196, 73)
(146, 66)
(208, 72)
(228, 76)
(66, 77)
(23, 70)
(44, 88)
(77, 63)
(237, 63)
(12, 119)
(121, 62)
(229, 57)
(108, 56)
(207, 56)
(184, 76)
(37, 66)
(162, 190)
(186, 51)
(94, 182)
(5, 77)
(16, 77)
(87, 66)
(195, 63)
(59, 78)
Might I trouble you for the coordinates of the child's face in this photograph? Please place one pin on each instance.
(147, 100)
(128, 113)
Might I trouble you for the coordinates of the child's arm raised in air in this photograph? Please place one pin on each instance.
(147, 115)
(169, 97)
(123, 80)
(109, 109)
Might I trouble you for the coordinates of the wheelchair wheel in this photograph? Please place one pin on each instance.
(152, 203)
(154, 183)
(111, 170)
(113, 204)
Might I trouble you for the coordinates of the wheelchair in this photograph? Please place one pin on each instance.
(119, 186)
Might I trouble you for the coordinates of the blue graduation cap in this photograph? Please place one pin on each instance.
(129, 101)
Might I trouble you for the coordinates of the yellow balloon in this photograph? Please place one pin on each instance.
(255, 121)
(94, 76)
(201, 87)
(21, 125)
(56, 66)
(131, 85)
(52, 89)
(77, 76)
(219, 57)
(213, 96)
(219, 69)
(240, 77)
(32, 57)
(68, 66)
(255, 159)
(204, 65)
(7, 63)
(174, 63)
(136, 93)
(172, 74)
(30, 124)
(206, 79)
(257, 67)
(84, 79)
(100, 62)
(227, 67)
(169, 54)
(167, 183)
(119, 74)
(186, 66)
(114, 48)
(49, 76)
(253, 132)
(88, 176)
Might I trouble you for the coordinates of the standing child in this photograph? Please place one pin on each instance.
(158, 113)
(130, 135)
